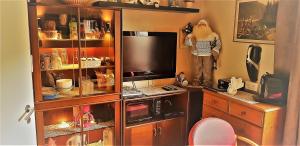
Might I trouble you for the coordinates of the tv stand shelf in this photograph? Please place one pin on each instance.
(142, 7)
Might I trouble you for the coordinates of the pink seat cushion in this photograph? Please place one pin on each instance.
(212, 131)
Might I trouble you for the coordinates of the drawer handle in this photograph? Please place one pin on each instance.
(243, 113)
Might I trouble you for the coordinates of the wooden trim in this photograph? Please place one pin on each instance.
(259, 106)
(34, 45)
(273, 124)
(43, 106)
(118, 31)
(117, 123)
(155, 96)
(39, 121)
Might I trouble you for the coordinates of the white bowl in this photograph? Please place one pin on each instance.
(64, 83)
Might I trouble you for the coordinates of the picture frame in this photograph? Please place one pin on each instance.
(255, 21)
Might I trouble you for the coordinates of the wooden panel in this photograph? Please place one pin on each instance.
(118, 123)
(39, 120)
(42, 106)
(273, 129)
(171, 132)
(33, 28)
(245, 129)
(215, 102)
(140, 135)
(211, 112)
(118, 31)
(245, 113)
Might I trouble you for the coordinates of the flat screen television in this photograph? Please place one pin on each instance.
(149, 55)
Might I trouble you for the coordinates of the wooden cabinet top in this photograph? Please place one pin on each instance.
(251, 104)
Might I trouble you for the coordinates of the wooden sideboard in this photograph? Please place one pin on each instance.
(259, 122)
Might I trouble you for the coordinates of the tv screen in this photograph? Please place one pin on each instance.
(149, 55)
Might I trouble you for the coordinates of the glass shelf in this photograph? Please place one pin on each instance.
(55, 130)
(68, 43)
(76, 66)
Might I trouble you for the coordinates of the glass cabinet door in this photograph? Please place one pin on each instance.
(97, 51)
(62, 126)
(98, 124)
(58, 51)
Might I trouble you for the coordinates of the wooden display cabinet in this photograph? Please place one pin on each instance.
(76, 65)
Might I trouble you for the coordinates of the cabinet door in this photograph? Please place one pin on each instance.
(171, 132)
(98, 62)
(54, 47)
(140, 135)
(60, 126)
(98, 121)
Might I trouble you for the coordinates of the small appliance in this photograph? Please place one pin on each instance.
(223, 83)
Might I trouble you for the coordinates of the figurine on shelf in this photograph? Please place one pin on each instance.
(130, 1)
(87, 117)
(101, 80)
(150, 2)
(110, 79)
(56, 62)
(75, 140)
(73, 29)
(181, 80)
(108, 137)
(51, 142)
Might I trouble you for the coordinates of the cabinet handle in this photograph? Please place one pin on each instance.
(27, 109)
(155, 132)
(243, 113)
(27, 118)
(159, 131)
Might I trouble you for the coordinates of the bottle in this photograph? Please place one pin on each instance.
(110, 79)
(73, 28)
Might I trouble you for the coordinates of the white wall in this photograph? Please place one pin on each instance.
(16, 81)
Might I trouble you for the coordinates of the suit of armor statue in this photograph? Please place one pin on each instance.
(205, 46)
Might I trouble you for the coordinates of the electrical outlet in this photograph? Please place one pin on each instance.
(251, 86)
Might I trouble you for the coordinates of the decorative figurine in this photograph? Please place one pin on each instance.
(150, 2)
(75, 140)
(234, 85)
(87, 117)
(51, 142)
(181, 80)
(205, 46)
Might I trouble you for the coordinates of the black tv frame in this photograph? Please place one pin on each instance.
(148, 76)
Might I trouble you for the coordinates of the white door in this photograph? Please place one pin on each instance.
(16, 80)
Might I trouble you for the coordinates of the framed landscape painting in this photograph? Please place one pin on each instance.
(255, 21)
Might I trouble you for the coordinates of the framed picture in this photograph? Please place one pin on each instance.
(255, 21)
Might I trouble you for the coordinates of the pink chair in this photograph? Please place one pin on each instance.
(214, 131)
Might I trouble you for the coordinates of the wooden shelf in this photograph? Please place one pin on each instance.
(143, 7)
(76, 66)
(67, 43)
(152, 121)
(75, 101)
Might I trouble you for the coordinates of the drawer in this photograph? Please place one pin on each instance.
(215, 102)
(246, 129)
(240, 127)
(247, 114)
(211, 112)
